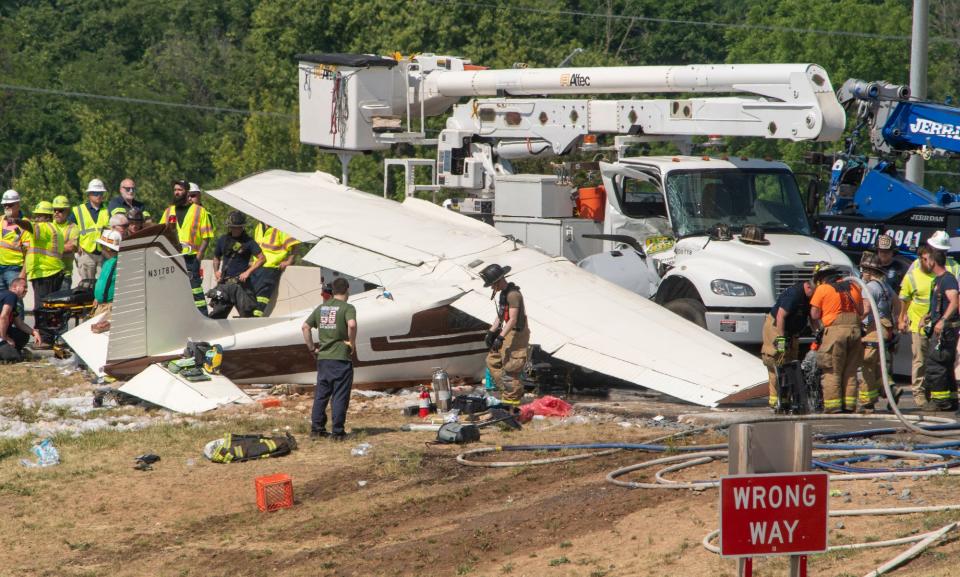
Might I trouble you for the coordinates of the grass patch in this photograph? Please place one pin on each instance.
(937, 520)
(559, 561)
(407, 463)
(13, 447)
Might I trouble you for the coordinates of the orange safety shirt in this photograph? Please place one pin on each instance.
(832, 302)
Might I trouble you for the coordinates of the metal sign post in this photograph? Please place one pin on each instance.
(789, 512)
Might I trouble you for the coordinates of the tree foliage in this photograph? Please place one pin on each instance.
(240, 54)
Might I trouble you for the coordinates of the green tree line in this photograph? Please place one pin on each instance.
(232, 62)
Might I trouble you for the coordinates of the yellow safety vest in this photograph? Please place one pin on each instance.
(45, 251)
(275, 244)
(69, 232)
(90, 228)
(195, 228)
(12, 246)
(916, 288)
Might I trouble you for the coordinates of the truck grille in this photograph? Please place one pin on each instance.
(787, 277)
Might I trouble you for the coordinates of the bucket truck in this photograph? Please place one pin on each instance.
(868, 196)
(665, 227)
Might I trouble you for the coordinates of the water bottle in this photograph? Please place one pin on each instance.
(361, 450)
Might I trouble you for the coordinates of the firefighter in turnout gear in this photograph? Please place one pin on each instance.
(941, 325)
(888, 306)
(838, 306)
(194, 229)
(277, 247)
(508, 338)
(235, 258)
(91, 218)
(915, 295)
(789, 315)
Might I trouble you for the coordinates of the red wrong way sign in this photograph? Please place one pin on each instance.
(773, 514)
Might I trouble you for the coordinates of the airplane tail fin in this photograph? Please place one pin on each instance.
(153, 290)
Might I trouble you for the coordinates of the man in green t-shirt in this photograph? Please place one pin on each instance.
(336, 324)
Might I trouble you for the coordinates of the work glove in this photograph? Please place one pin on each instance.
(497, 344)
(780, 351)
(488, 340)
(780, 344)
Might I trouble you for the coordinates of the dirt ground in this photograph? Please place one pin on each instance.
(406, 508)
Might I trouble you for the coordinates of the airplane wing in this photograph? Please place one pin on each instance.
(574, 315)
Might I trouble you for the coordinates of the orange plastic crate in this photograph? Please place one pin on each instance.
(274, 492)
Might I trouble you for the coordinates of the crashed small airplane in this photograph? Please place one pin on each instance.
(435, 313)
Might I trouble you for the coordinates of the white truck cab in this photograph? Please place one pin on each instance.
(686, 261)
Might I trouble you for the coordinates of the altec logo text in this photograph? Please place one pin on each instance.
(574, 80)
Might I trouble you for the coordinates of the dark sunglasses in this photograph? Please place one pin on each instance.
(128, 188)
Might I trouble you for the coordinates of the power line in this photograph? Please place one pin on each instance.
(127, 99)
(686, 22)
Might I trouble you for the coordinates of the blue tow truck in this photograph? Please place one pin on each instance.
(868, 196)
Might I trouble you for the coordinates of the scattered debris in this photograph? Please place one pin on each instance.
(47, 455)
(145, 462)
(361, 450)
(548, 406)
(159, 386)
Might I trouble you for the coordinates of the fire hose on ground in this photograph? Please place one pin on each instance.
(695, 455)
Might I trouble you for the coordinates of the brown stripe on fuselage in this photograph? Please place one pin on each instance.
(267, 362)
(447, 325)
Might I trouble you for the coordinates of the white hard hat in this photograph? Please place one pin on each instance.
(194, 187)
(96, 185)
(939, 240)
(110, 239)
(10, 197)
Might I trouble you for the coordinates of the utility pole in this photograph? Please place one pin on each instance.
(919, 42)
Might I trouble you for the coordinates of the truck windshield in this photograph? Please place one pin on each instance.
(699, 199)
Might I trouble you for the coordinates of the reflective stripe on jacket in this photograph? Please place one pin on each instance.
(12, 246)
(195, 228)
(45, 253)
(90, 228)
(274, 244)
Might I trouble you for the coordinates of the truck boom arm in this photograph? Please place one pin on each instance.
(898, 124)
(345, 103)
(354, 103)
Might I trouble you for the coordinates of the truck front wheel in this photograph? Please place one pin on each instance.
(690, 309)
